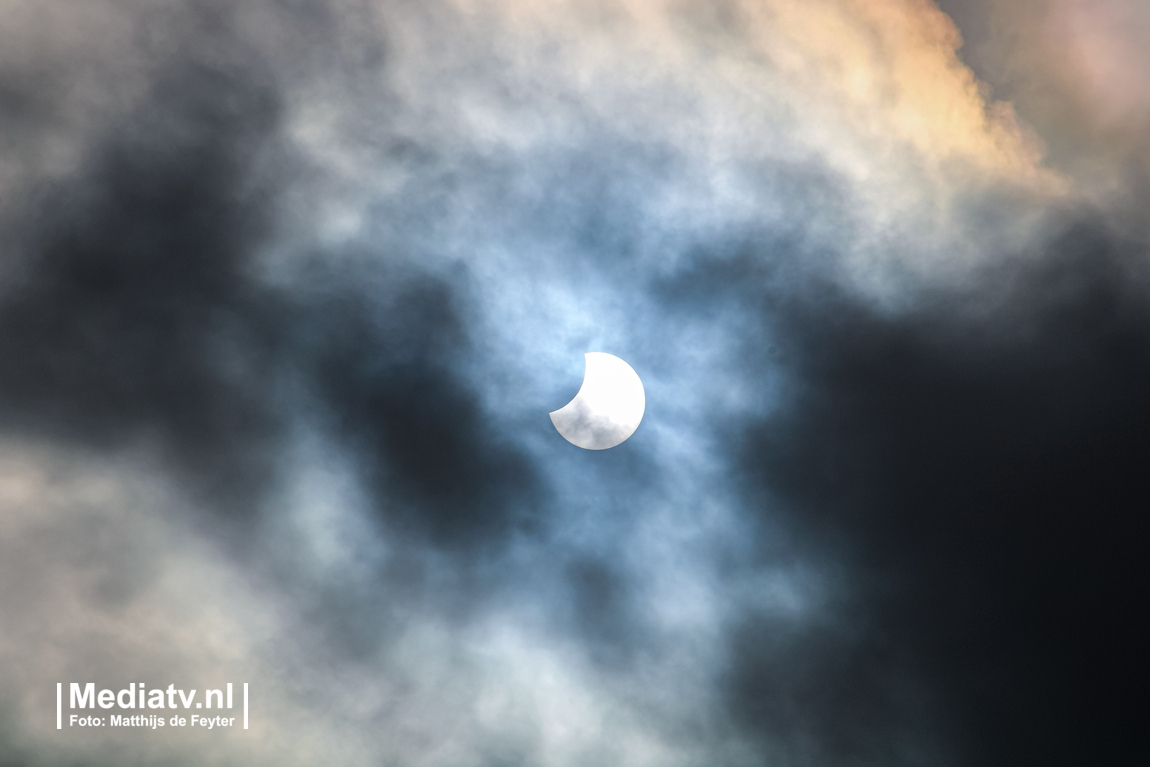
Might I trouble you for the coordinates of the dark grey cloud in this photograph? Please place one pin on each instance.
(976, 468)
(128, 316)
(391, 385)
(139, 326)
(135, 317)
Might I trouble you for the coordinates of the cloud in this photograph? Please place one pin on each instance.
(973, 466)
(1071, 70)
(291, 287)
(138, 317)
(129, 317)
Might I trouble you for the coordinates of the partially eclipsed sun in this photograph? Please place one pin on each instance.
(608, 408)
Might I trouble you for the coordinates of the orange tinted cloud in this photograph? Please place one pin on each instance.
(874, 77)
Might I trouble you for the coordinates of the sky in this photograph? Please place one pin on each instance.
(288, 289)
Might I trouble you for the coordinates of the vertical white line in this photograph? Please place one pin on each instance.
(245, 705)
(59, 698)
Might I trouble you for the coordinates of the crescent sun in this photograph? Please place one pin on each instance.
(608, 408)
